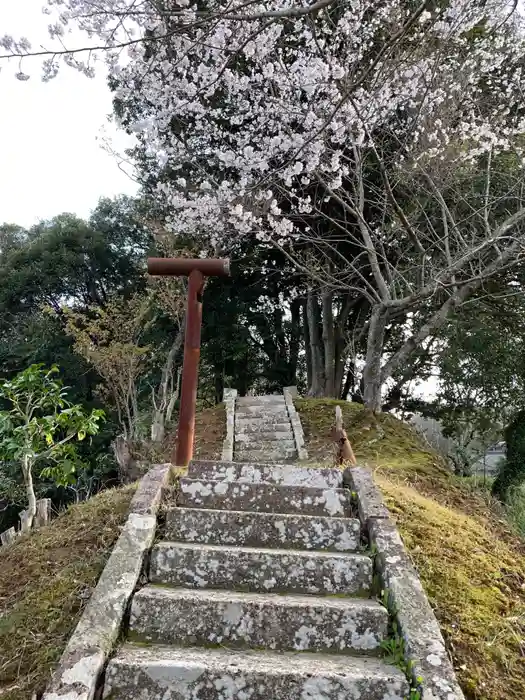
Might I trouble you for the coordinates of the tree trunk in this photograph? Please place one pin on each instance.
(126, 464)
(307, 348)
(158, 428)
(328, 344)
(295, 341)
(218, 383)
(30, 490)
(164, 397)
(317, 384)
(349, 381)
(374, 352)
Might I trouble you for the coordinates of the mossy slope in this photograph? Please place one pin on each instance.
(470, 560)
(45, 580)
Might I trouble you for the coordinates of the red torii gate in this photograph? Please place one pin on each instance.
(196, 270)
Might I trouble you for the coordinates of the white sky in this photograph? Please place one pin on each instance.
(51, 159)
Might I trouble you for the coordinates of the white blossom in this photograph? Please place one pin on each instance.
(283, 105)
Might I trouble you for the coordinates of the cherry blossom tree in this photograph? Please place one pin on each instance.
(365, 138)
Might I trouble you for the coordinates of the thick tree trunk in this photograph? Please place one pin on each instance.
(328, 344)
(374, 352)
(218, 382)
(349, 384)
(317, 383)
(127, 467)
(339, 373)
(307, 348)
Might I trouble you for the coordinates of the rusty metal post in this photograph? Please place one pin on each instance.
(190, 369)
(196, 270)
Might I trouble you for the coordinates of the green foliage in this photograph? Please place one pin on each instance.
(40, 424)
(512, 472)
(515, 507)
(66, 261)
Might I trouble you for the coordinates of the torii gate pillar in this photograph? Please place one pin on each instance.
(196, 270)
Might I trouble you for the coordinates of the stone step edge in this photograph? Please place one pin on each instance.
(247, 517)
(233, 471)
(227, 567)
(156, 616)
(321, 554)
(330, 501)
(262, 442)
(298, 600)
(258, 664)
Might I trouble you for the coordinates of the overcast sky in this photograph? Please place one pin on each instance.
(51, 158)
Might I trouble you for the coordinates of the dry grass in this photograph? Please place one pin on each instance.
(469, 557)
(210, 431)
(45, 580)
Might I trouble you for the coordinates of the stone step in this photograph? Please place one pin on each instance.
(260, 445)
(267, 455)
(268, 498)
(272, 399)
(243, 427)
(172, 673)
(265, 436)
(248, 529)
(284, 474)
(268, 409)
(260, 570)
(263, 419)
(270, 621)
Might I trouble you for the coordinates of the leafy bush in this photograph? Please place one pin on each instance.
(512, 472)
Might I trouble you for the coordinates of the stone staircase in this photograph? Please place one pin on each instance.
(263, 430)
(260, 589)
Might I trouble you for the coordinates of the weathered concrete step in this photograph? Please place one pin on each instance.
(259, 445)
(277, 399)
(247, 529)
(262, 421)
(247, 427)
(216, 674)
(260, 570)
(284, 474)
(259, 408)
(267, 455)
(265, 436)
(270, 621)
(266, 498)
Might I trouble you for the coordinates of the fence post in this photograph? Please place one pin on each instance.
(43, 512)
(8, 536)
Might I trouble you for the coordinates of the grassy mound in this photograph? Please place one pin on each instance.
(210, 431)
(470, 559)
(45, 579)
